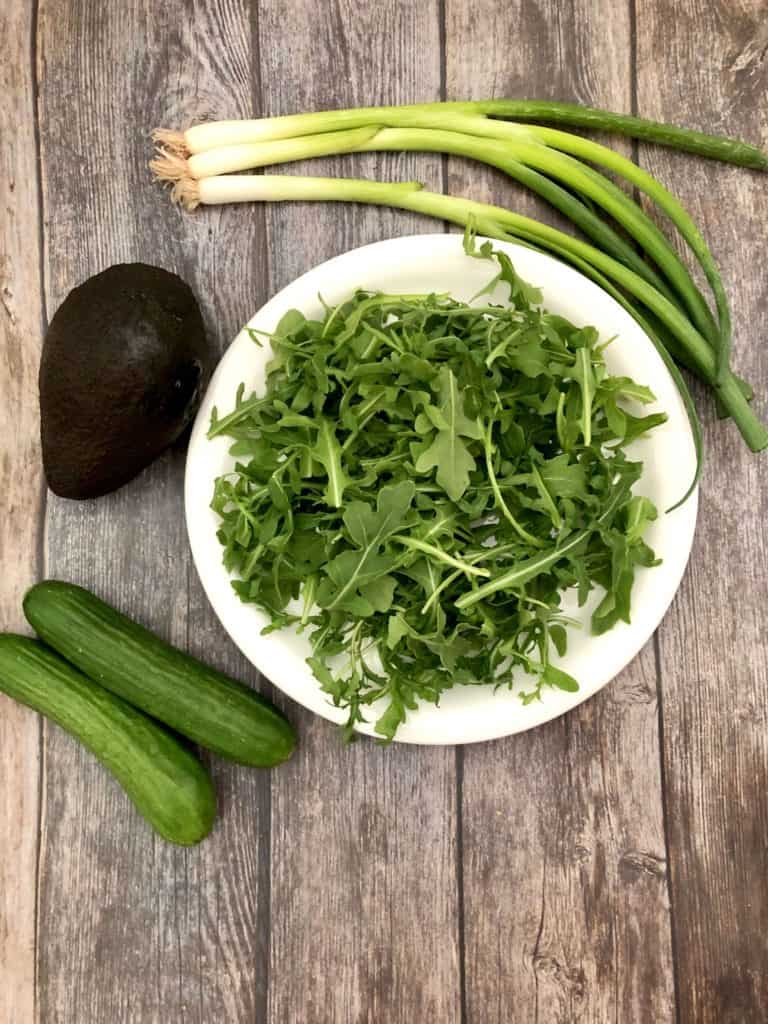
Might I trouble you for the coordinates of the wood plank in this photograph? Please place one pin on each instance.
(364, 905)
(21, 318)
(704, 65)
(132, 928)
(565, 892)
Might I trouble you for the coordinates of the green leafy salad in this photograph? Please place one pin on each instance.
(421, 482)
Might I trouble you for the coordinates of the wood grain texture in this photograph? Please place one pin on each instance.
(364, 924)
(21, 318)
(132, 929)
(564, 826)
(532, 879)
(705, 65)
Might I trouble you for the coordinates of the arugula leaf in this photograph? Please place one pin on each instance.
(585, 376)
(639, 512)
(448, 451)
(563, 476)
(355, 579)
(560, 679)
(530, 356)
(327, 451)
(546, 497)
(521, 294)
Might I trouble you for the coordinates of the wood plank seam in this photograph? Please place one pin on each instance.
(637, 196)
(264, 910)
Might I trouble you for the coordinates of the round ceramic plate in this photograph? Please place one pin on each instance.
(437, 263)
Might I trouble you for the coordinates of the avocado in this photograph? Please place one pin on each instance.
(125, 361)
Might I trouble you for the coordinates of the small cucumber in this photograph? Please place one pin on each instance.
(166, 782)
(197, 701)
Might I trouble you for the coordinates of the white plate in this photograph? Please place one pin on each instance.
(437, 263)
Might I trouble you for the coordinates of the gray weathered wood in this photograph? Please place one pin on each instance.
(21, 490)
(524, 880)
(565, 891)
(705, 65)
(364, 920)
(131, 928)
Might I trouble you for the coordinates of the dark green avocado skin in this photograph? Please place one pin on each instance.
(125, 362)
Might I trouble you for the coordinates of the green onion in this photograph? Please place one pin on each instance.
(472, 118)
(227, 133)
(229, 159)
(522, 152)
(659, 292)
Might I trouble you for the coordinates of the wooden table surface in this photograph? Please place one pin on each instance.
(609, 866)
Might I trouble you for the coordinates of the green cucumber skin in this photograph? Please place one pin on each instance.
(197, 701)
(168, 785)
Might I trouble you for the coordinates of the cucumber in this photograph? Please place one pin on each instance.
(197, 701)
(166, 782)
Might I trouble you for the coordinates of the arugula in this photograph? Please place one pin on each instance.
(327, 451)
(448, 451)
(421, 482)
(357, 579)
